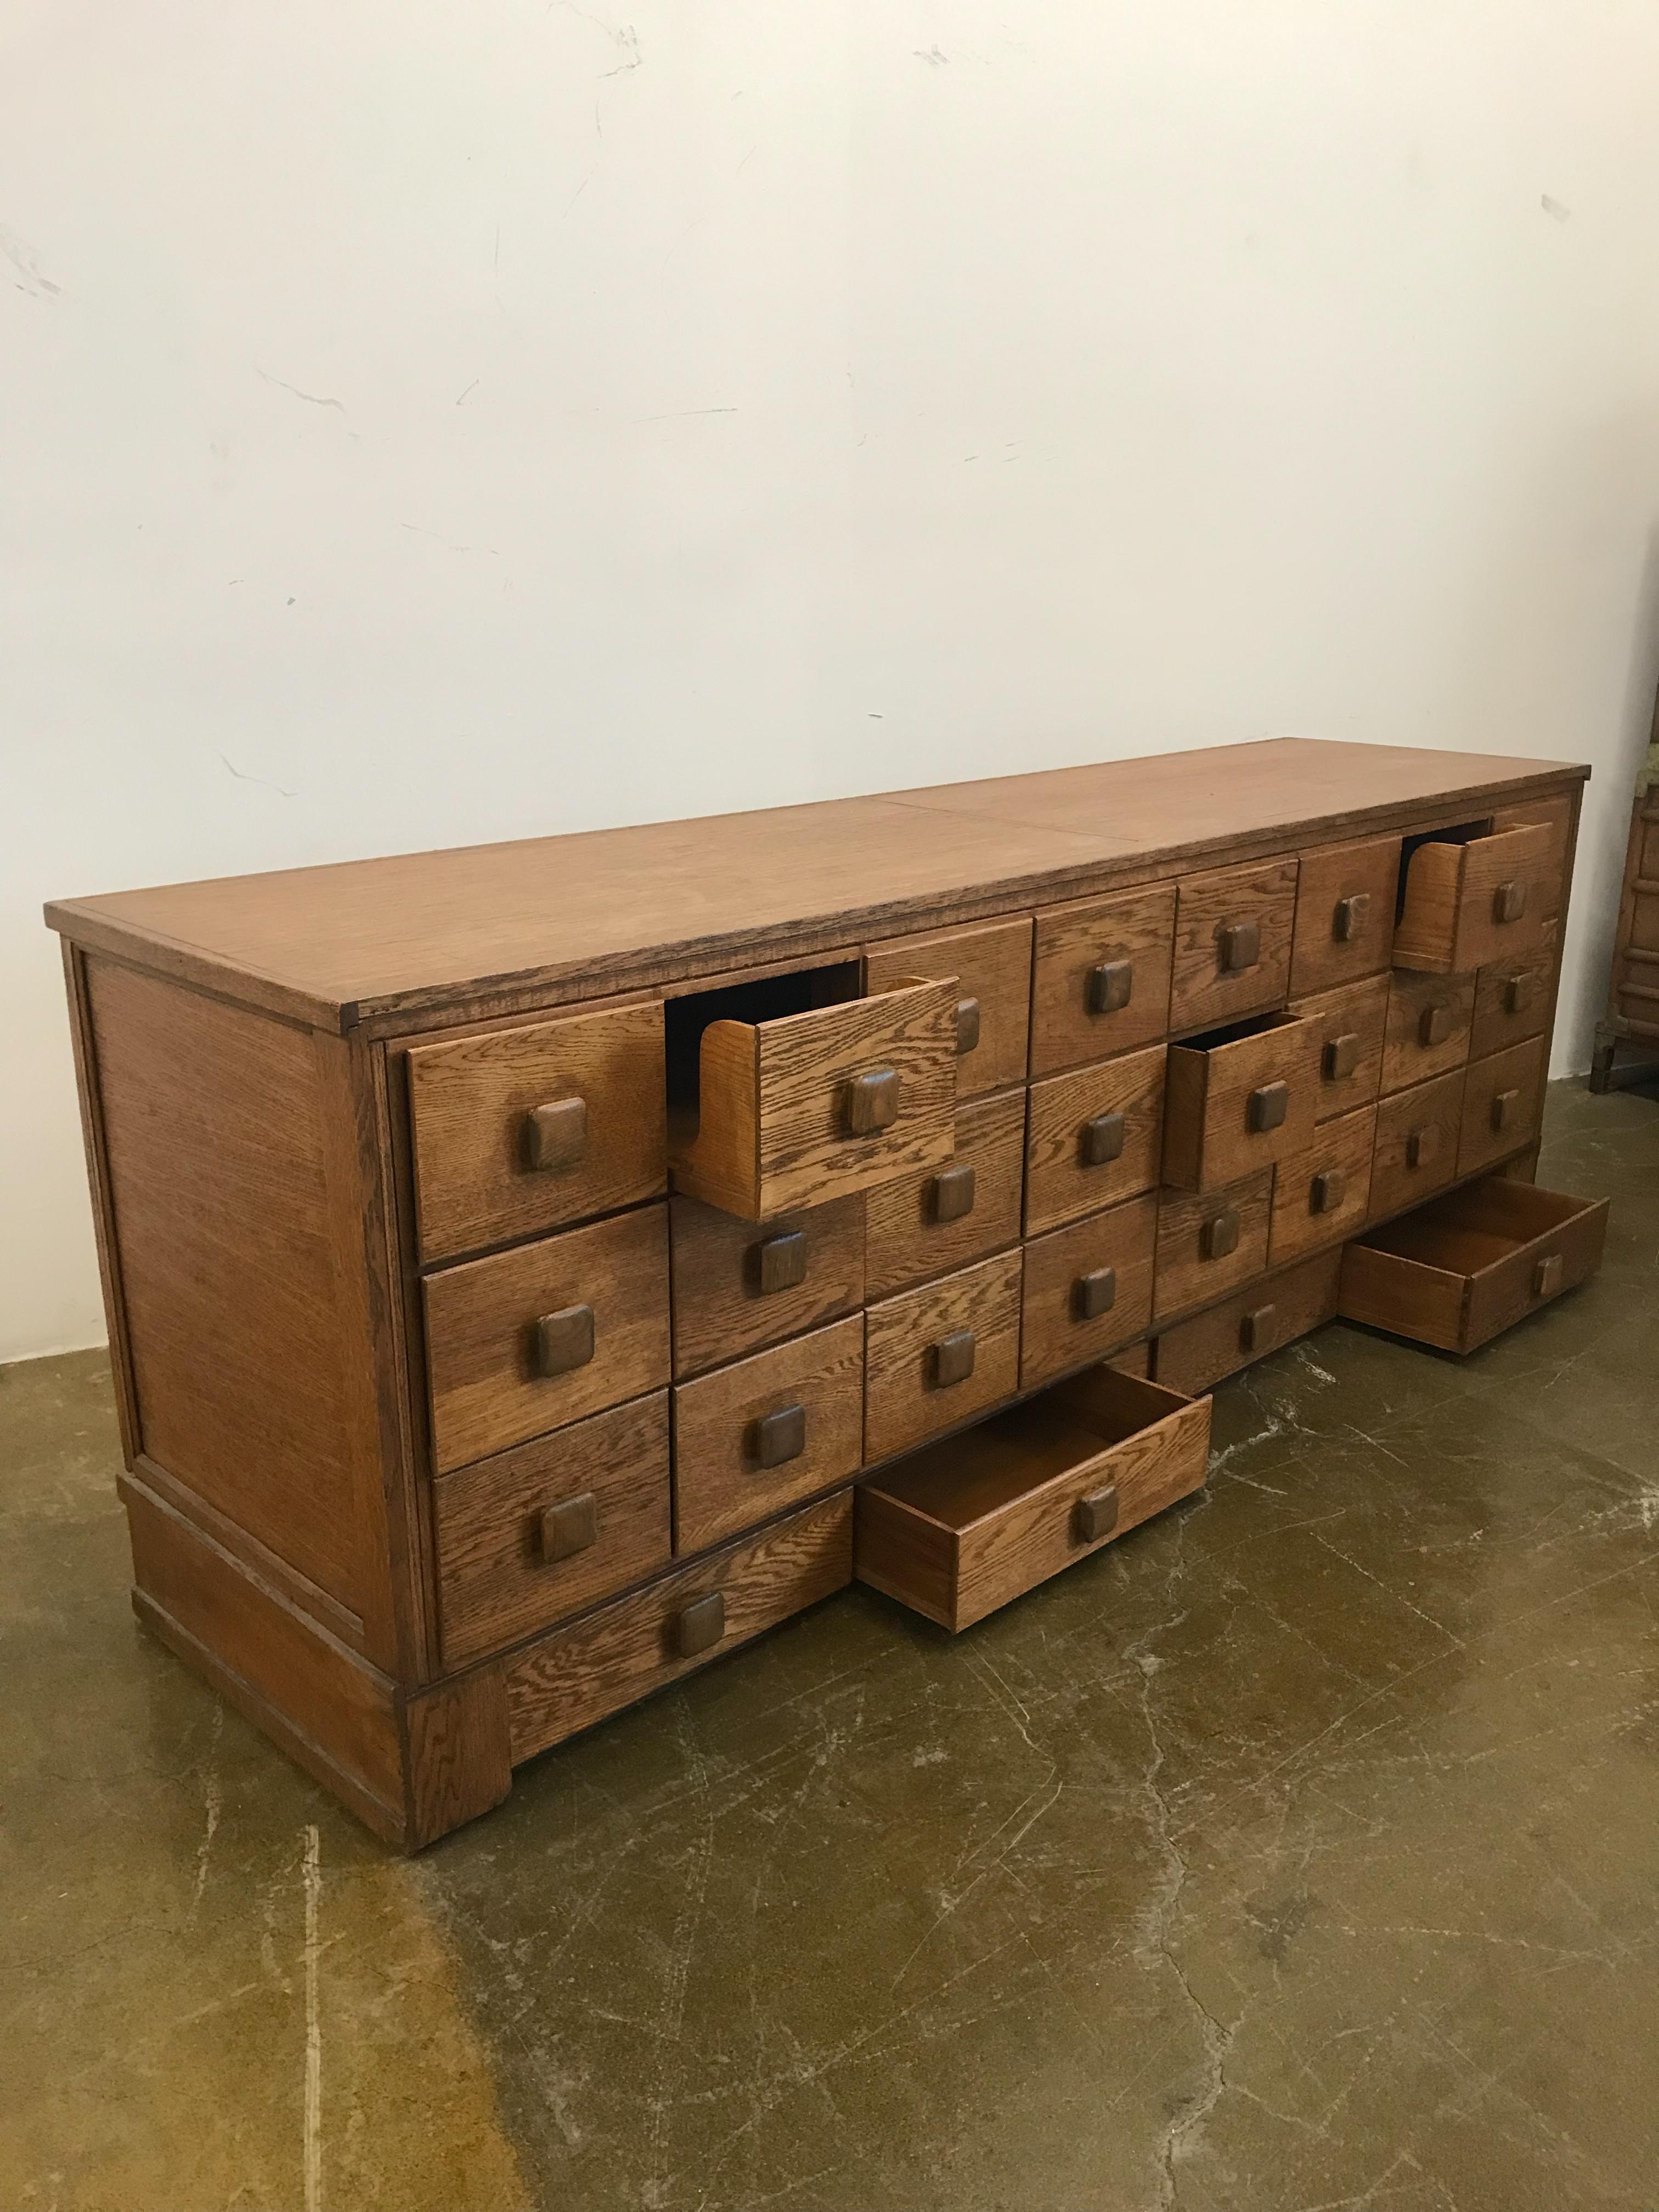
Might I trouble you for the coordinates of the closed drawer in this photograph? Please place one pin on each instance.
(529, 1339)
(754, 1437)
(1512, 998)
(1554, 815)
(993, 968)
(536, 1535)
(963, 1527)
(1237, 1099)
(1209, 1241)
(1345, 903)
(1233, 932)
(1101, 979)
(1416, 1147)
(1428, 1032)
(1501, 1099)
(517, 1131)
(1466, 1267)
(770, 1115)
(940, 1218)
(1093, 1137)
(1270, 1313)
(939, 1355)
(1088, 1289)
(740, 1284)
(567, 1681)
(1468, 902)
(1323, 1195)
(1349, 1026)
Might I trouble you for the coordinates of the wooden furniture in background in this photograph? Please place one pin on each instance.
(1632, 1015)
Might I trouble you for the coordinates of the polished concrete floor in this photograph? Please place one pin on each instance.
(1301, 1851)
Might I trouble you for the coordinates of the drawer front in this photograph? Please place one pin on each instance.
(1345, 903)
(1501, 1100)
(781, 1425)
(1233, 932)
(993, 968)
(1416, 1149)
(1512, 1000)
(536, 1535)
(529, 1339)
(1554, 815)
(1209, 1244)
(518, 1131)
(1101, 979)
(1323, 1195)
(1093, 1138)
(1231, 1109)
(1468, 904)
(1430, 1018)
(1268, 1314)
(932, 1223)
(739, 1284)
(939, 1355)
(1088, 1290)
(1349, 1027)
(567, 1681)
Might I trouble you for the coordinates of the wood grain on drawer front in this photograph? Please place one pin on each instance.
(1554, 815)
(1466, 904)
(481, 1333)
(1513, 998)
(576, 1675)
(1502, 1097)
(1191, 1268)
(1063, 1320)
(496, 1581)
(1349, 1025)
(1416, 1149)
(733, 1281)
(1323, 1195)
(1204, 992)
(912, 1228)
(1428, 1028)
(993, 968)
(1079, 1011)
(1060, 1182)
(721, 1481)
(1212, 1134)
(1263, 1317)
(1345, 903)
(904, 1399)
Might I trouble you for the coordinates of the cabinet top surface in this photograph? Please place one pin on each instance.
(477, 928)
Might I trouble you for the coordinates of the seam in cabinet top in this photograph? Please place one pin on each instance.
(404, 941)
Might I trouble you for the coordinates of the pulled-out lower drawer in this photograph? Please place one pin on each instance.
(1462, 1269)
(962, 1527)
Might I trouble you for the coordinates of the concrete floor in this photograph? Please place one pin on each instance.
(1300, 1851)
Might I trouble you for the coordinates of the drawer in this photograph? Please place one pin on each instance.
(1093, 1137)
(739, 1284)
(1209, 1242)
(993, 968)
(939, 1355)
(941, 1218)
(770, 1114)
(754, 1437)
(1345, 903)
(1233, 932)
(963, 1527)
(1464, 1267)
(1269, 1314)
(1323, 1195)
(519, 1130)
(1512, 998)
(536, 1535)
(567, 1681)
(1416, 1147)
(1088, 1289)
(1502, 1097)
(1430, 1018)
(1237, 1099)
(1467, 902)
(1350, 1025)
(1101, 983)
(1554, 815)
(529, 1339)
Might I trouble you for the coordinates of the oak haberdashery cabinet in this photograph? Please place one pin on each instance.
(535, 1270)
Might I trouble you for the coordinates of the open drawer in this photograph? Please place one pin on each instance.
(1467, 899)
(961, 1526)
(1462, 1268)
(793, 1090)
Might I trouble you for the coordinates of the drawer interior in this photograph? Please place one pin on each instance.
(770, 999)
(1476, 1226)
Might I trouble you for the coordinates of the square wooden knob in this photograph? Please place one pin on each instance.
(1255, 1329)
(1266, 1108)
(556, 1135)
(967, 1027)
(1502, 1109)
(1517, 993)
(1238, 946)
(1100, 1141)
(953, 1358)
(1351, 917)
(1111, 985)
(781, 1261)
(569, 1527)
(1422, 1145)
(1095, 1515)
(564, 1340)
(697, 1626)
(1508, 902)
(871, 1102)
(953, 1193)
(1434, 1025)
(1328, 1190)
(1219, 1234)
(1341, 1057)
(776, 1438)
(1095, 1293)
(1546, 1275)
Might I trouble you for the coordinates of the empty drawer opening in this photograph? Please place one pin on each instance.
(1236, 1032)
(771, 999)
(1461, 833)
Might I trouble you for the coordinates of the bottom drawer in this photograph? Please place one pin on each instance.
(1464, 1267)
(960, 1528)
(1272, 1312)
(581, 1674)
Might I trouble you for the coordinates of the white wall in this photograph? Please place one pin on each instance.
(428, 423)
